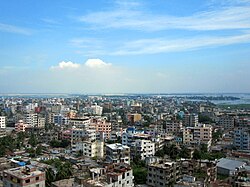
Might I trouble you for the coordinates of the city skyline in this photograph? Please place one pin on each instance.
(125, 46)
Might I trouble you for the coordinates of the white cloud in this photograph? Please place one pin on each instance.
(96, 63)
(66, 65)
(225, 18)
(163, 45)
(14, 29)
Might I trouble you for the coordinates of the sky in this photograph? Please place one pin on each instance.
(125, 46)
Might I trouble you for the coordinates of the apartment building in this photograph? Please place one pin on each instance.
(133, 118)
(2, 122)
(227, 122)
(173, 126)
(242, 138)
(23, 176)
(20, 126)
(163, 174)
(31, 119)
(201, 133)
(88, 148)
(190, 120)
(117, 153)
(143, 149)
(113, 175)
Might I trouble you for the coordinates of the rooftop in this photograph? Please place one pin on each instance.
(24, 172)
(230, 164)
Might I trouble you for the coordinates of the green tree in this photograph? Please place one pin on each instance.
(33, 140)
(50, 176)
(196, 154)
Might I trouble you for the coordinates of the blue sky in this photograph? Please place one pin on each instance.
(108, 46)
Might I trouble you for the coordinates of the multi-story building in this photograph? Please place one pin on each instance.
(227, 122)
(133, 118)
(114, 175)
(163, 174)
(242, 138)
(103, 128)
(143, 149)
(201, 133)
(2, 122)
(41, 122)
(88, 148)
(190, 120)
(173, 126)
(96, 110)
(20, 126)
(23, 176)
(83, 134)
(60, 119)
(79, 122)
(117, 153)
(31, 119)
(2, 133)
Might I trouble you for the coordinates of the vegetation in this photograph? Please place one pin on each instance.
(62, 143)
(63, 171)
(139, 170)
(197, 155)
(173, 152)
(204, 119)
(236, 106)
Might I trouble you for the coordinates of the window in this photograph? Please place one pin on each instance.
(37, 185)
(127, 174)
(27, 181)
(37, 178)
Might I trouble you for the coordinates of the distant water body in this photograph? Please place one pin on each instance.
(244, 98)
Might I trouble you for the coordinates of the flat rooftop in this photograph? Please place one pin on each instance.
(21, 173)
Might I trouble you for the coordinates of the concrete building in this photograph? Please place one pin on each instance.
(23, 176)
(201, 133)
(2, 122)
(227, 122)
(163, 174)
(117, 153)
(114, 175)
(133, 118)
(83, 134)
(60, 119)
(229, 167)
(96, 110)
(190, 120)
(242, 138)
(20, 126)
(2, 133)
(31, 119)
(41, 122)
(103, 127)
(173, 126)
(143, 149)
(89, 149)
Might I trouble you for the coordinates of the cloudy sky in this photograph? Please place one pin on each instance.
(124, 46)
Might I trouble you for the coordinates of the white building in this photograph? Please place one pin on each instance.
(31, 119)
(89, 149)
(118, 153)
(114, 175)
(96, 110)
(2, 122)
(143, 149)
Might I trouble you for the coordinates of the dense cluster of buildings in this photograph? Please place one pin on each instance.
(107, 135)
